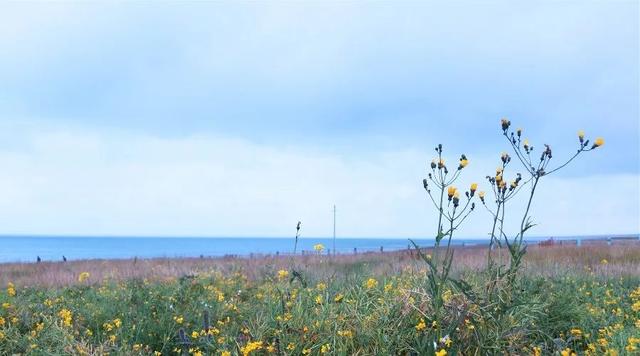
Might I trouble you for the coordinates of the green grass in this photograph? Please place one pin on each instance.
(392, 316)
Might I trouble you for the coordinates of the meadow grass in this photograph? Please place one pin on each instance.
(583, 300)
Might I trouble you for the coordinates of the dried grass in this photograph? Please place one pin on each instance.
(622, 259)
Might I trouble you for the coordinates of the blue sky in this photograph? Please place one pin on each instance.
(241, 118)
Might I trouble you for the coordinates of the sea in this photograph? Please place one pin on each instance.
(53, 248)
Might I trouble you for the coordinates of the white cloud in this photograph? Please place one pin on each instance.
(101, 183)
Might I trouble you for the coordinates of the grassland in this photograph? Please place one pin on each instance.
(582, 300)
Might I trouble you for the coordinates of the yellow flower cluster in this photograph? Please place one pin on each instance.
(83, 276)
(11, 290)
(283, 274)
(250, 347)
(66, 316)
(371, 283)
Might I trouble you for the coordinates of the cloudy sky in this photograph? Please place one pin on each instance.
(239, 119)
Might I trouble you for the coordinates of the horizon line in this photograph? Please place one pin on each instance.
(564, 236)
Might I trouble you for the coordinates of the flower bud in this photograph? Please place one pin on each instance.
(581, 136)
(505, 124)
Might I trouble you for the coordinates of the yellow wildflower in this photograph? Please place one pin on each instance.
(271, 349)
(251, 346)
(577, 333)
(282, 274)
(66, 317)
(11, 289)
(371, 283)
(451, 191)
(83, 276)
(598, 142)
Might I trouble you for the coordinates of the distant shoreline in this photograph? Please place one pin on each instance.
(63, 249)
(28, 249)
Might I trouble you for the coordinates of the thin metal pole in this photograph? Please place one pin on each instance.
(334, 229)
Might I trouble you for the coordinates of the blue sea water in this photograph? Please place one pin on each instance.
(27, 248)
(49, 248)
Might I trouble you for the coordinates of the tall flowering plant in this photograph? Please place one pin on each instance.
(453, 208)
(537, 167)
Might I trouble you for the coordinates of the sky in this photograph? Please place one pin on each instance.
(241, 118)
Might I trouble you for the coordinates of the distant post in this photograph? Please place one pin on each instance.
(334, 229)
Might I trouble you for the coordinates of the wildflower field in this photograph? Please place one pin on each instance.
(505, 298)
(571, 300)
